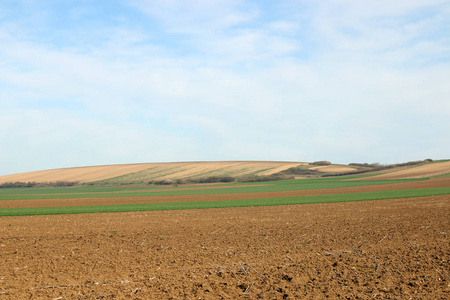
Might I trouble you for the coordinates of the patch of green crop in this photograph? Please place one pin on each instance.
(442, 175)
(439, 161)
(272, 186)
(75, 190)
(225, 204)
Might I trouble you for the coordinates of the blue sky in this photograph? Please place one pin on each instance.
(108, 82)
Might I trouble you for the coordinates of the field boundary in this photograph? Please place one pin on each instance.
(379, 195)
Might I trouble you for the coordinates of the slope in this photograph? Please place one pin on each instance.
(151, 171)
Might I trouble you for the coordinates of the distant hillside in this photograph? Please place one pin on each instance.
(421, 171)
(224, 171)
(138, 173)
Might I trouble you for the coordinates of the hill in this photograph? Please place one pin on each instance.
(126, 173)
(421, 171)
(192, 171)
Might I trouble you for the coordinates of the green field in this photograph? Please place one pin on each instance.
(229, 203)
(133, 191)
(272, 186)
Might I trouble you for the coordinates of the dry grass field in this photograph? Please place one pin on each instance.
(80, 174)
(193, 170)
(151, 171)
(333, 169)
(427, 170)
(142, 173)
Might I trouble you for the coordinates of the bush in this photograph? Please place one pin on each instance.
(163, 182)
(20, 184)
(17, 184)
(378, 166)
(365, 165)
(211, 179)
(63, 183)
(321, 163)
(256, 178)
(299, 171)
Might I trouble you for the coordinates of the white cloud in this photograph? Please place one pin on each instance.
(343, 84)
(370, 27)
(198, 16)
(381, 8)
(56, 138)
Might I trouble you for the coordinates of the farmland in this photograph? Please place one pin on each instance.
(135, 173)
(340, 237)
(89, 200)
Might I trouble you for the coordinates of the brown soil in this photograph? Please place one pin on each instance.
(385, 249)
(431, 183)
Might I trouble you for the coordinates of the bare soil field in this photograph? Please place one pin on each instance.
(385, 249)
(149, 171)
(427, 170)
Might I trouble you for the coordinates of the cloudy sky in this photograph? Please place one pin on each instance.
(91, 82)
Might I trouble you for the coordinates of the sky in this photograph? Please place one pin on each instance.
(91, 82)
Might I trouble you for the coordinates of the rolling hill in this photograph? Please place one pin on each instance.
(145, 172)
(425, 170)
(126, 173)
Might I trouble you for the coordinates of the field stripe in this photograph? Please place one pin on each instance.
(297, 185)
(230, 203)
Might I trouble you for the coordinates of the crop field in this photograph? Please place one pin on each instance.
(119, 174)
(332, 168)
(344, 237)
(433, 169)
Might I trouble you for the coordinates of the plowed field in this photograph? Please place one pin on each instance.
(384, 249)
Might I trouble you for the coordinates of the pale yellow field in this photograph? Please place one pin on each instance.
(153, 171)
(237, 168)
(427, 170)
(333, 169)
(81, 174)
(184, 170)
